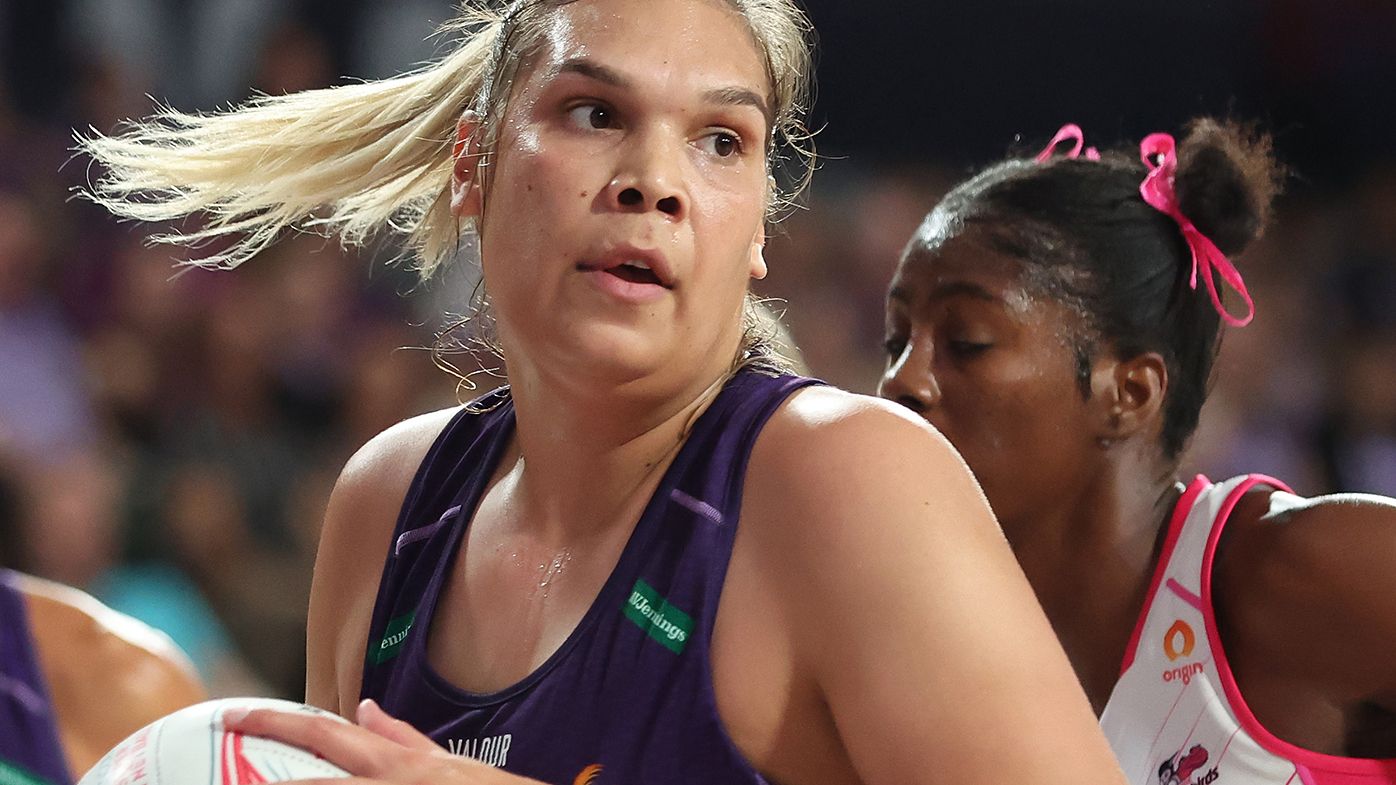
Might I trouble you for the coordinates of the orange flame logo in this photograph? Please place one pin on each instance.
(589, 775)
(1171, 647)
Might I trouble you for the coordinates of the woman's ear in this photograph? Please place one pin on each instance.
(1127, 396)
(758, 267)
(466, 201)
(758, 258)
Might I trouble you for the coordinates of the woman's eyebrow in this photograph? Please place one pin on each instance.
(738, 96)
(721, 96)
(963, 289)
(594, 70)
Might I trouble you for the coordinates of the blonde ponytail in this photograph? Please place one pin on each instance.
(346, 161)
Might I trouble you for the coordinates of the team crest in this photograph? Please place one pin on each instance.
(1179, 769)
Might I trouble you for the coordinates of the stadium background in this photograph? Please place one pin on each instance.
(168, 444)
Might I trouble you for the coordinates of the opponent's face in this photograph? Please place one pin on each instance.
(625, 211)
(991, 366)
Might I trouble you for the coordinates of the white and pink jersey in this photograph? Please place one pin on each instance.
(1176, 716)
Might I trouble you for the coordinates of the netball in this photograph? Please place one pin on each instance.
(191, 747)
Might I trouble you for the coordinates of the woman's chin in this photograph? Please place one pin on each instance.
(608, 355)
(604, 356)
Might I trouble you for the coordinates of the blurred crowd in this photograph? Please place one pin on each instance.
(168, 436)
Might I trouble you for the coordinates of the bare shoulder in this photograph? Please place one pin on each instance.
(835, 472)
(824, 429)
(108, 673)
(390, 459)
(842, 484)
(1298, 570)
(362, 511)
(1317, 546)
(370, 490)
(817, 407)
(1357, 514)
(832, 454)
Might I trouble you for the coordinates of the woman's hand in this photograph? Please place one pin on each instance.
(379, 748)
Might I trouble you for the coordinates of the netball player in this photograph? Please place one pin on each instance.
(76, 678)
(654, 557)
(1057, 319)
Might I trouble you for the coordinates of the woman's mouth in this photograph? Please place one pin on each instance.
(635, 272)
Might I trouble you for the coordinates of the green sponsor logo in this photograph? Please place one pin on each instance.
(653, 614)
(393, 638)
(14, 775)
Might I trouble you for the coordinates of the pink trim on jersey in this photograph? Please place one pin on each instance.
(1153, 745)
(1314, 768)
(1227, 748)
(1175, 528)
(1184, 595)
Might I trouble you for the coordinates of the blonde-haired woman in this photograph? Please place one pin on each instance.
(654, 557)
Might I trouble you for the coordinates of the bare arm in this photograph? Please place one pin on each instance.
(362, 511)
(931, 651)
(109, 674)
(1314, 588)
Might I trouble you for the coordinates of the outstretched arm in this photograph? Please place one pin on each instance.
(109, 675)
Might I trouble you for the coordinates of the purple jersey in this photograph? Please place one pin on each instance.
(29, 750)
(628, 698)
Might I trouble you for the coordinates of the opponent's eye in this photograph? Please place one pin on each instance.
(894, 346)
(594, 116)
(968, 348)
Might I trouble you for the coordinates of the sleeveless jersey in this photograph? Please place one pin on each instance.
(30, 753)
(628, 697)
(1176, 716)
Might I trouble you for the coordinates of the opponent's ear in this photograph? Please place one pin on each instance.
(757, 263)
(1127, 397)
(466, 201)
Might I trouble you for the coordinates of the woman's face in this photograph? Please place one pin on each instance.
(625, 211)
(991, 366)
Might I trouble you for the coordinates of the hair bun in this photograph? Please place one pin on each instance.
(1227, 179)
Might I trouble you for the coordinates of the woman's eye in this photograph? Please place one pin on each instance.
(592, 116)
(722, 144)
(894, 347)
(968, 348)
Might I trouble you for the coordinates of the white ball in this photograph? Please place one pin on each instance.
(190, 747)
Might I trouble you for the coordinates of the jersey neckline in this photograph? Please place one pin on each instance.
(1180, 514)
(613, 589)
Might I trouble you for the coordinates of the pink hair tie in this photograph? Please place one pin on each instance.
(1069, 131)
(1159, 152)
